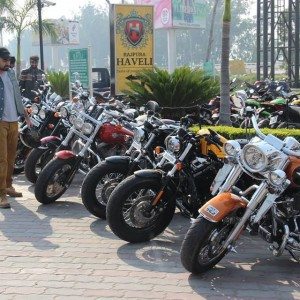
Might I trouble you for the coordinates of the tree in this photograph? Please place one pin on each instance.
(225, 81)
(211, 31)
(17, 19)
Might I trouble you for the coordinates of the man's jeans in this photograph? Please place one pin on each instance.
(8, 147)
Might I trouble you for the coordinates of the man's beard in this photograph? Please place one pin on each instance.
(4, 68)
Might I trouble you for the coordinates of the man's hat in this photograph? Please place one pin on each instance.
(4, 53)
(34, 58)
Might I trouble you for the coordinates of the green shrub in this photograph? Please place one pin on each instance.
(183, 87)
(239, 133)
(59, 82)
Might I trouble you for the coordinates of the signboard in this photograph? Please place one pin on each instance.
(178, 13)
(189, 13)
(162, 12)
(133, 43)
(79, 63)
(209, 68)
(67, 33)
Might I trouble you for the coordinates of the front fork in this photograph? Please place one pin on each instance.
(257, 197)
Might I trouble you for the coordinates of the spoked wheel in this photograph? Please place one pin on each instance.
(98, 186)
(36, 161)
(202, 246)
(130, 213)
(52, 182)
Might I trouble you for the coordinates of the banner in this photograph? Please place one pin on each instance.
(162, 12)
(133, 42)
(67, 33)
(79, 67)
(178, 13)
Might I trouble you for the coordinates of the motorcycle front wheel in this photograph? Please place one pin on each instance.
(98, 186)
(21, 156)
(130, 214)
(36, 161)
(201, 248)
(53, 180)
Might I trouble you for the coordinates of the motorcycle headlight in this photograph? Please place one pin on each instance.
(78, 123)
(254, 158)
(277, 177)
(63, 112)
(72, 118)
(232, 148)
(34, 109)
(42, 114)
(172, 144)
(138, 135)
(87, 128)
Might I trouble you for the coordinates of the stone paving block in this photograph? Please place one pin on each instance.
(60, 251)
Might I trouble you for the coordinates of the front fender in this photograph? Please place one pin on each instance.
(51, 141)
(149, 174)
(217, 208)
(65, 154)
(125, 160)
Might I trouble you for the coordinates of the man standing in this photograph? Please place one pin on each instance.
(31, 78)
(11, 107)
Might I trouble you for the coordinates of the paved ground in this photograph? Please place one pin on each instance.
(60, 251)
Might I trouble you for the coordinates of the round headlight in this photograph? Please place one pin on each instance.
(232, 148)
(139, 134)
(277, 177)
(253, 158)
(42, 114)
(63, 112)
(87, 128)
(72, 118)
(34, 109)
(172, 144)
(78, 123)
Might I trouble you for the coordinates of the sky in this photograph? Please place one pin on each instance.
(67, 8)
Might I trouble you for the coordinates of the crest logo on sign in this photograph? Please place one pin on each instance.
(134, 31)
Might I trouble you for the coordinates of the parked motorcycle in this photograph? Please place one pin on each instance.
(270, 208)
(81, 150)
(105, 176)
(143, 204)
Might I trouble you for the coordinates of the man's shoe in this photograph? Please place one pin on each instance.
(13, 193)
(3, 202)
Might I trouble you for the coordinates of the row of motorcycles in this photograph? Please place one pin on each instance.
(140, 168)
(276, 104)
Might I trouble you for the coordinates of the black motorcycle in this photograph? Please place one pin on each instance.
(104, 177)
(143, 204)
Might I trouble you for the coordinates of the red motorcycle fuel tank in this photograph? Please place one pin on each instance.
(112, 134)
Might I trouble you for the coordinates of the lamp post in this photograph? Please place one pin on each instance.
(40, 5)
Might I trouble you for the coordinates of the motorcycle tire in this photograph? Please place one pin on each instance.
(197, 241)
(126, 227)
(289, 126)
(96, 204)
(57, 167)
(21, 156)
(37, 158)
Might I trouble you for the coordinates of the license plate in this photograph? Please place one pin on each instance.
(169, 157)
(35, 122)
(136, 145)
(273, 120)
(220, 178)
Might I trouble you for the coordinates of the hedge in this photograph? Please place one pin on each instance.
(240, 133)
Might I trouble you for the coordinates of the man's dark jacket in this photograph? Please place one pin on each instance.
(30, 79)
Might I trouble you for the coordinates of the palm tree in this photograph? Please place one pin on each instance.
(225, 81)
(17, 19)
(3, 5)
(211, 31)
